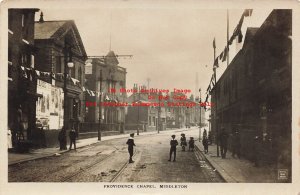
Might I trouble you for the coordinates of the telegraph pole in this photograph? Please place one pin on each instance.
(200, 116)
(100, 109)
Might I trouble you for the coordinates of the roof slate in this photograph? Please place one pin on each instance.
(46, 30)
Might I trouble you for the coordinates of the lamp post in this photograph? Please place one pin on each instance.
(138, 126)
(67, 64)
(216, 108)
(100, 109)
(159, 110)
(200, 115)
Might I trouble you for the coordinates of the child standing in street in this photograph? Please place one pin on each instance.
(191, 144)
(130, 143)
(173, 144)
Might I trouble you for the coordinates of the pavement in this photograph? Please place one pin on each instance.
(232, 170)
(235, 170)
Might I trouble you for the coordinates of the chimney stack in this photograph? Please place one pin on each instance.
(41, 18)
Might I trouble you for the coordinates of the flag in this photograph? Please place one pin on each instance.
(247, 12)
(212, 79)
(206, 98)
(214, 43)
(221, 56)
(208, 89)
(216, 63)
(225, 54)
(240, 36)
(92, 93)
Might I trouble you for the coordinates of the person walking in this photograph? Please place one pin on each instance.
(62, 138)
(183, 141)
(223, 142)
(20, 132)
(205, 144)
(236, 144)
(130, 143)
(173, 144)
(72, 135)
(204, 134)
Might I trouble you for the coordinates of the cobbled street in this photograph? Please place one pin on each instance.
(106, 161)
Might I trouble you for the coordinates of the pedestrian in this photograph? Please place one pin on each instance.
(9, 138)
(204, 134)
(183, 142)
(256, 150)
(62, 139)
(72, 135)
(20, 130)
(209, 138)
(223, 142)
(205, 144)
(191, 144)
(130, 143)
(236, 144)
(173, 144)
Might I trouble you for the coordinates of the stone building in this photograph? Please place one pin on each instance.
(112, 80)
(59, 42)
(254, 93)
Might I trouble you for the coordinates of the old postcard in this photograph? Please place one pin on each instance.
(134, 97)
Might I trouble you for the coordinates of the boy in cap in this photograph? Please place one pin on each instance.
(173, 144)
(130, 143)
(191, 144)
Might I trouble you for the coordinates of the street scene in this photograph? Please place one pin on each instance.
(108, 162)
(141, 95)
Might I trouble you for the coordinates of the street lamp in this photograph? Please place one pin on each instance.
(100, 110)
(67, 64)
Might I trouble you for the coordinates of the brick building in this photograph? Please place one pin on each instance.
(254, 93)
(22, 79)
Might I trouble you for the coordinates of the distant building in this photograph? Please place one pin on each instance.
(254, 93)
(112, 81)
(21, 75)
(59, 42)
(147, 117)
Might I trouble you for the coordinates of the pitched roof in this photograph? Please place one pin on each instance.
(56, 30)
(47, 29)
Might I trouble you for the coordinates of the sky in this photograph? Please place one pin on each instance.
(169, 46)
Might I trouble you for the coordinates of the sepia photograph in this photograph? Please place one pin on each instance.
(149, 97)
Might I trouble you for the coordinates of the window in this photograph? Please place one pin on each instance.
(80, 74)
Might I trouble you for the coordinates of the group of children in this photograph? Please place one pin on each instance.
(183, 143)
(173, 144)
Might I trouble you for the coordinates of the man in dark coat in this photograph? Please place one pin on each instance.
(130, 143)
(173, 144)
(72, 135)
(62, 138)
(223, 142)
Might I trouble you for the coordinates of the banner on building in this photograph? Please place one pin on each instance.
(49, 109)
